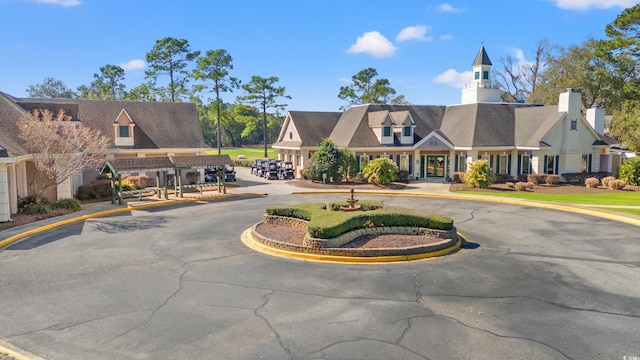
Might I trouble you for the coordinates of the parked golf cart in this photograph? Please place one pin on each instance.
(287, 172)
(210, 176)
(272, 170)
(229, 173)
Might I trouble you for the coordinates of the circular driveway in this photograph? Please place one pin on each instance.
(177, 283)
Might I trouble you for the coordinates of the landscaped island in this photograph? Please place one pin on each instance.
(374, 230)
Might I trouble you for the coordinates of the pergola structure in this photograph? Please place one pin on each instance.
(161, 166)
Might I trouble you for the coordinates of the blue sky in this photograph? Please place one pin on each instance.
(424, 48)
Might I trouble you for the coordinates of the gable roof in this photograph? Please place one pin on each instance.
(533, 123)
(10, 113)
(312, 127)
(158, 124)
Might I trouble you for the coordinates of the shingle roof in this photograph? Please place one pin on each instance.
(482, 58)
(158, 124)
(167, 162)
(533, 123)
(10, 113)
(312, 126)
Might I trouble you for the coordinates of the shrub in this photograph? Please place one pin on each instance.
(607, 180)
(579, 178)
(503, 178)
(69, 204)
(243, 163)
(32, 205)
(530, 185)
(521, 186)
(511, 185)
(458, 177)
(310, 171)
(127, 185)
(193, 177)
(479, 175)
(552, 179)
(139, 181)
(365, 205)
(592, 183)
(537, 179)
(403, 176)
(359, 178)
(629, 171)
(328, 159)
(380, 171)
(348, 165)
(617, 184)
(99, 189)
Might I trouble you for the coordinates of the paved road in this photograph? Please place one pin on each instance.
(177, 283)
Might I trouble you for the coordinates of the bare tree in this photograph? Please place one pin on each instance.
(519, 79)
(60, 147)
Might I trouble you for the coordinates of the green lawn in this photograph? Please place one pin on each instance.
(616, 198)
(250, 153)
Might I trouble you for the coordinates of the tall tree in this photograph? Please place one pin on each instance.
(60, 147)
(625, 125)
(107, 85)
(364, 90)
(51, 88)
(263, 92)
(213, 68)
(170, 57)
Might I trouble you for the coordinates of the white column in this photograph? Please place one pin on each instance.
(472, 155)
(4, 195)
(416, 164)
(514, 164)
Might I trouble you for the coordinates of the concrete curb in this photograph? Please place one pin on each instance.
(6, 348)
(248, 239)
(12, 239)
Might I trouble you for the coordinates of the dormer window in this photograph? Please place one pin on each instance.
(406, 131)
(386, 131)
(123, 129)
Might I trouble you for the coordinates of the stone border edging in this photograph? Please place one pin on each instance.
(331, 247)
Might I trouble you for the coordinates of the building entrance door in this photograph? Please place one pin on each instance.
(435, 166)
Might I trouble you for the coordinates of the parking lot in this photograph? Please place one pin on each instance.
(177, 283)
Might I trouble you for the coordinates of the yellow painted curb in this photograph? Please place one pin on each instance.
(250, 242)
(574, 208)
(10, 240)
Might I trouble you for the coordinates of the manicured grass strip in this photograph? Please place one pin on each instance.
(615, 198)
(622, 210)
(327, 224)
(251, 153)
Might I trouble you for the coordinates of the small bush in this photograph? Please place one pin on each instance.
(99, 189)
(537, 179)
(617, 184)
(503, 178)
(381, 171)
(31, 205)
(530, 185)
(403, 176)
(592, 183)
(127, 185)
(552, 179)
(69, 204)
(458, 177)
(479, 175)
(139, 181)
(521, 186)
(359, 178)
(243, 163)
(510, 185)
(607, 180)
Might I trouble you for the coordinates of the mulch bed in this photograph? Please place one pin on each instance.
(308, 184)
(295, 236)
(546, 189)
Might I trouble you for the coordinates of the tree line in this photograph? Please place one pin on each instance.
(606, 72)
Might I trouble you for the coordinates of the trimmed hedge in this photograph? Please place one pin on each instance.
(326, 224)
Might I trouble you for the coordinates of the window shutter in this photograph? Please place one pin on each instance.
(589, 163)
(519, 164)
(398, 160)
(509, 165)
(530, 164)
(457, 161)
(545, 164)
(555, 163)
(358, 162)
(491, 161)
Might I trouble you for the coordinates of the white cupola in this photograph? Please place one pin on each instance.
(480, 89)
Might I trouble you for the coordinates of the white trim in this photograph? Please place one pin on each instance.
(435, 134)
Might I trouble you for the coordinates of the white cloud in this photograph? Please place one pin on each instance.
(65, 3)
(373, 43)
(448, 8)
(446, 37)
(134, 64)
(418, 32)
(454, 78)
(598, 4)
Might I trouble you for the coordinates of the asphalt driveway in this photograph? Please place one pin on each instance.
(177, 283)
